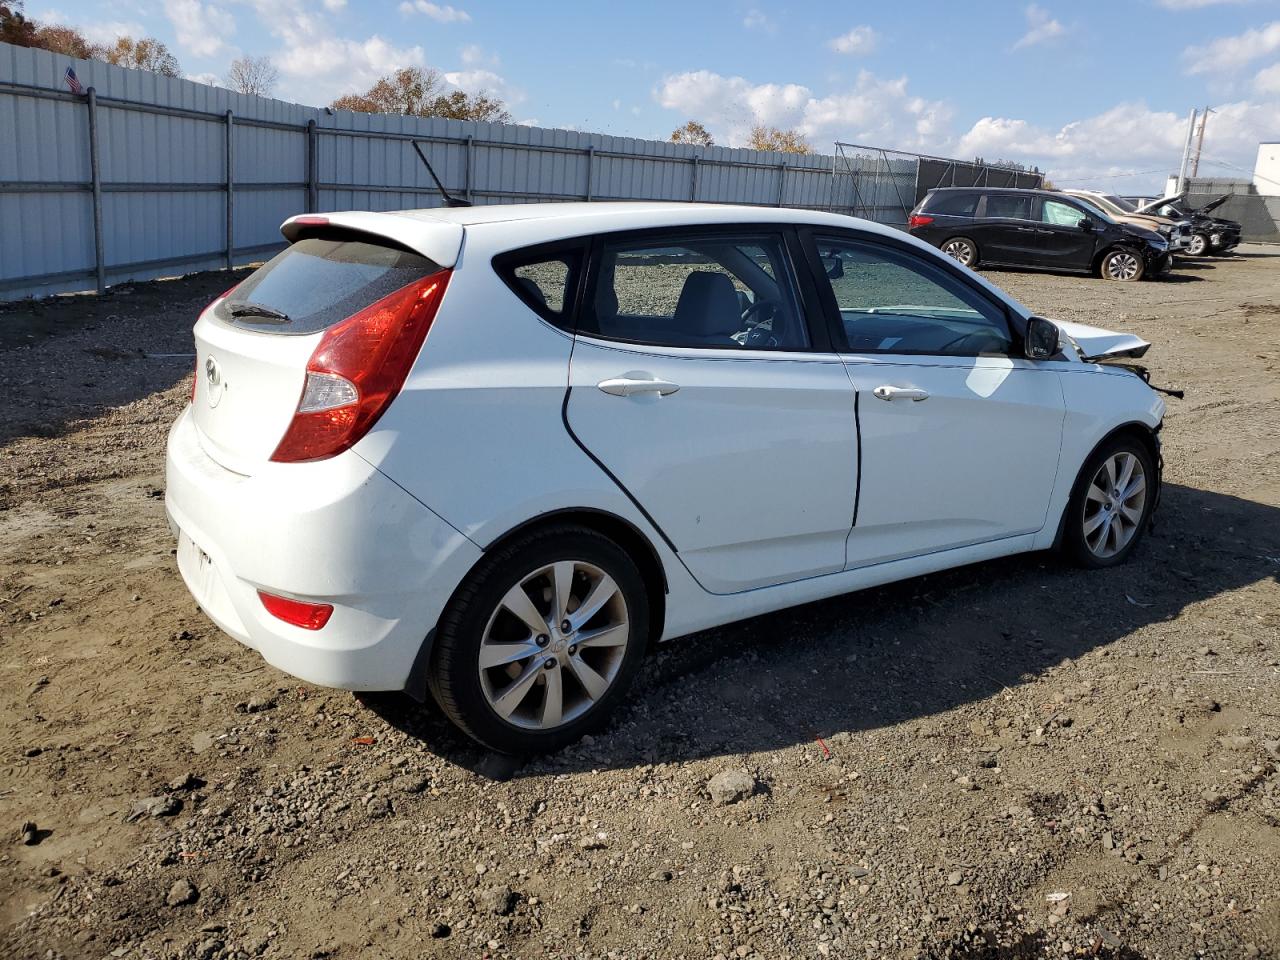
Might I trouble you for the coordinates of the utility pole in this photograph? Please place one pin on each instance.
(1186, 152)
(1195, 165)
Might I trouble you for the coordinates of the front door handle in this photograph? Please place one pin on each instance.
(887, 392)
(633, 384)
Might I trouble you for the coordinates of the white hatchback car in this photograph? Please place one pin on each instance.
(494, 452)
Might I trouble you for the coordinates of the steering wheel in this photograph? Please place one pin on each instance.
(758, 318)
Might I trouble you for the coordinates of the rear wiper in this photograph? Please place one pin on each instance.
(243, 308)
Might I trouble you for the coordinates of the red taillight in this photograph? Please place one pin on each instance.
(308, 616)
(919, 220)
(310, 221)
(357, 370)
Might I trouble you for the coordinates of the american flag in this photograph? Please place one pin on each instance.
(73, 82)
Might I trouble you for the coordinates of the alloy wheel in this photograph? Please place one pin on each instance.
(1123, 266)
(1198, 245)
(959, 250)
(1114, 504)
(554, 645)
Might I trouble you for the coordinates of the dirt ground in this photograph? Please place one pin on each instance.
(1012, 760)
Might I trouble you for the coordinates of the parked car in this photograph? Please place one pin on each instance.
(1041, 229)
(495, 452)
(1176, 232)
(1209, 235)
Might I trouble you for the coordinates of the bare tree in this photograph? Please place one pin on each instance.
(784, 141)
(255, 75)
(145, 54)
(694, 133)
(417, 92)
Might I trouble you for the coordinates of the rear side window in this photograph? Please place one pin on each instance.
(1016, 206)
(317, 282)
(952, 204)
(545, 278)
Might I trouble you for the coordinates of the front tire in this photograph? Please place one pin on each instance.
(1122, 265)
(539, 644)
(1198, 246)
(962, 250)
(1111, 504)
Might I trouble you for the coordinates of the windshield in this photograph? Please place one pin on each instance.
(1095, 210)
(1122, 203)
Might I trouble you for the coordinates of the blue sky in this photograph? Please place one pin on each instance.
(1095, 92)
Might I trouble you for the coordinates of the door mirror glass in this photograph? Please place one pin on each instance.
(1041, 340)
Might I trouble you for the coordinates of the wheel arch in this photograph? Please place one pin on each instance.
(622, 532)
(1096, 267)
(1145, 434)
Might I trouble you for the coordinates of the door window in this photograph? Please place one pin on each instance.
(1011, 206)
(1061, 214)
(892, 301)
(709, 292)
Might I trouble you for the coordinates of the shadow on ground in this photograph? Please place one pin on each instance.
(898, 653)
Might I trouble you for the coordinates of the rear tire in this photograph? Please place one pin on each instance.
(963, 250)
(1111, 504)
(1122, 265)
(521, 661)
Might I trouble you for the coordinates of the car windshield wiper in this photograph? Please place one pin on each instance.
(258, 311)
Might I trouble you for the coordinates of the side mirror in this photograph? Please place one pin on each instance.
(1041, 340)
(1086, 225)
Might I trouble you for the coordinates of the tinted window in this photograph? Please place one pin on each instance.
(891, 301)
(1015, 205)
(1060, 214)
(952, 204)
(318, 282)
(714, 292)
(544, 278)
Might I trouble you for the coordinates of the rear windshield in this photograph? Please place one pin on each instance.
(317, 282)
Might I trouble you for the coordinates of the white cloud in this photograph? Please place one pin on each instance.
(1268, 79)
(1040, 27)
(756, 20)
(871, 111)
(859, 40)
(210, 79)
(473, 81)
(1232, 53)
(202, 29)
(327, 67)
(333, 6)
(441, 13)
(103, 31)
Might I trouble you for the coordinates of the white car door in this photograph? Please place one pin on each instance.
(696, 384)
(960, 436)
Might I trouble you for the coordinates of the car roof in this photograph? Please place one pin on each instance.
(978, 186)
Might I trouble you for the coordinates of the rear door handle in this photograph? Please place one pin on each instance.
(634, 384)
(887, 392)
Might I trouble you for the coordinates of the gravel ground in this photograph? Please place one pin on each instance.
(1012, 760)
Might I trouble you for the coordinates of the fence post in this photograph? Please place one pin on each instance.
(782, 182)
(470, 144)
(693, 181)
(231, 194)
(591, 164)
(313, 163)
(95, 174)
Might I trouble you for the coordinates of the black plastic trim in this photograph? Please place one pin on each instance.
(857, 439)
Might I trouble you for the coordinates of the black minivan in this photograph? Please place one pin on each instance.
(1040, 229)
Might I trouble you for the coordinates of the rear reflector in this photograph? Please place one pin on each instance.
(918, 220)
(357, 369)
(308, 616)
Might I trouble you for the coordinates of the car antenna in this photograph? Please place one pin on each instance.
(449, 199)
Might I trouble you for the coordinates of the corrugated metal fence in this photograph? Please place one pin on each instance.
(148, 176)
(1258, 216)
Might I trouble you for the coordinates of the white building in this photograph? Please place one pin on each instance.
(1266, 171)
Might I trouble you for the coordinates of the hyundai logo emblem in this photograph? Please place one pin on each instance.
(213, 376)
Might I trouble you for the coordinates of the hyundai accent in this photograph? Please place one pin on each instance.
(491, 454)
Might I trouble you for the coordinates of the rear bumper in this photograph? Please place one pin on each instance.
(337, 531)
